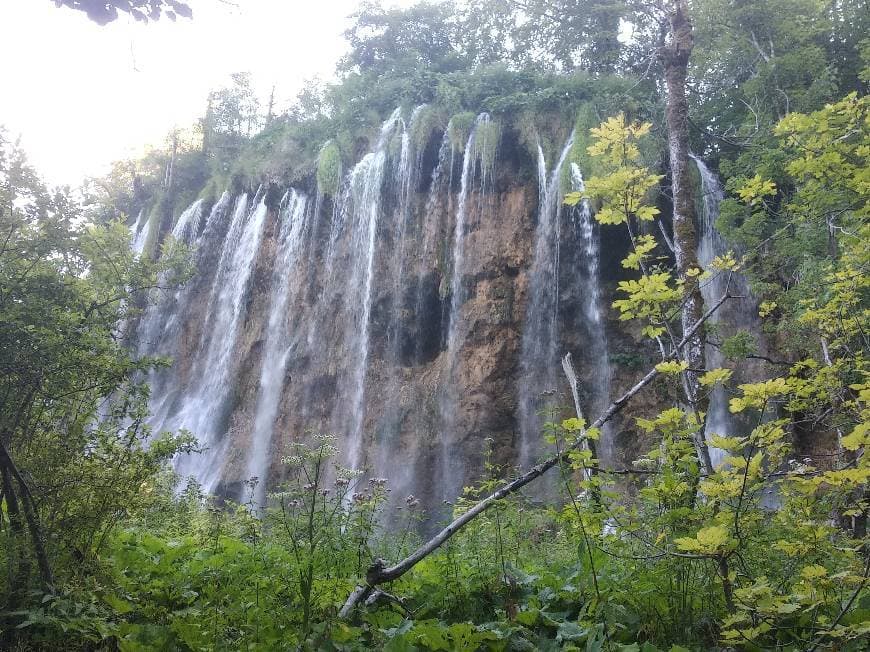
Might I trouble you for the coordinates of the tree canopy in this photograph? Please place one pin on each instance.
(104, 12)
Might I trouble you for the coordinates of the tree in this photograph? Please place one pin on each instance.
(396, 41)
(66, 288)
(104, 12)
(231, 118)
(675, 55)
(565, 35)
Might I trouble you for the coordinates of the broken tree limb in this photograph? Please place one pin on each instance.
(359, 593)
(379, 573)
(571, 375)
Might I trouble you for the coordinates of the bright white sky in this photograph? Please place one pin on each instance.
(80, 95)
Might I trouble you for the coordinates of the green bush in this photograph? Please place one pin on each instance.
(458, 129)
(486, 141)
(329, 169)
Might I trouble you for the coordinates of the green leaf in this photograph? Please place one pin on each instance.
(569, 631)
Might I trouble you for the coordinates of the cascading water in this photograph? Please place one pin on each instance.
(737, 313)
(452, 466)
(435, 214)
(380, 297)
(539, 363)
(405, 176)
(189, 223)
(159, 329)
(139, 233)
(204, 407)
(152, 335)
(362, 210)
(597, 353)
(440, 184)
(277, 346)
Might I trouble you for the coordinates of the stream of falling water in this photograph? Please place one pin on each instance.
(189, 223)
(452, 469)
(435, 214)
(204, 409)
(598, 354)
(740, 313)
(160, 326)
(276, 349)
(539, 362)
(138, 233)
(405, 177)
(364, 209)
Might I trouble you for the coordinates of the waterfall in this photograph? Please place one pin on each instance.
(159, 329)
(277, 345)
(204, 409)
(405, 177)
(736, 314)
(439, 184)
(598, 354)
(452, 467)
(539, 362)
(431, 224)
(154, 335)
(189, 223)
(366, 180)
(362, 208)
(138, 233)
(457, 297)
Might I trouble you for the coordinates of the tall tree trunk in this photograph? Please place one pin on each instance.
(19, 562)
(269, 114)
(675, 56)
(28, 506)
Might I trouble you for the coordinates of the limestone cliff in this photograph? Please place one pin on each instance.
(399, 314)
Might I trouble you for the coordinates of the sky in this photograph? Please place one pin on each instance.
(80, 95)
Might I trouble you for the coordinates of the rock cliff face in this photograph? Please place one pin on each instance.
(395, 315)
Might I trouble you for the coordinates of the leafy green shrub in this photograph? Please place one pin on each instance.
(428, 119)
(486, 142)
(739, 345)
(458, 129)
(630, 361)
(329, 169)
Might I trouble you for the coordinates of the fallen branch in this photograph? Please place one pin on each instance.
(380, 573)
(379, 595)
(570, 374)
